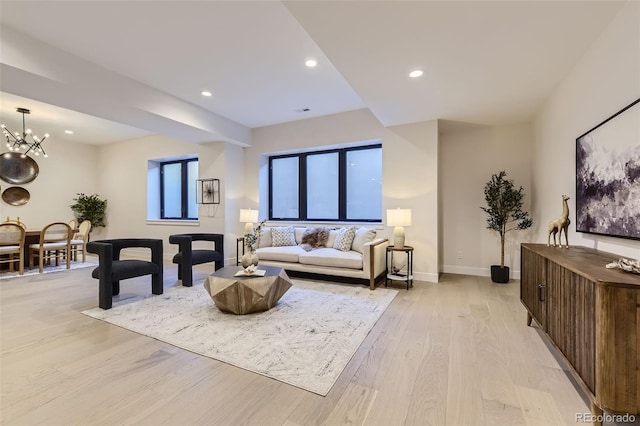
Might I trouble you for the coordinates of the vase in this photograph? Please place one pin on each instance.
(248, 259)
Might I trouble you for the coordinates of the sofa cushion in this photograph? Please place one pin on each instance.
(344, 239)
(265, 238)
(363, 236)
(280, 254)
(332, 257)
(282, 236)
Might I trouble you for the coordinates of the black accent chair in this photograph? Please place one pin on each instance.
(111, 269)
(187, 256)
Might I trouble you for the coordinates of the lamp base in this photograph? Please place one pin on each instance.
(399, 262)
(398, 237)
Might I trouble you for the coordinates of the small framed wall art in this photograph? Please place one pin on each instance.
(208, 191)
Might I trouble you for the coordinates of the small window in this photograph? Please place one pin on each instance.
(178, 189)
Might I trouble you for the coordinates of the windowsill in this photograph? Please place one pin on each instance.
(375, 225)
(173, 222)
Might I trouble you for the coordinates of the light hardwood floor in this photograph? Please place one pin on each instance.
(453, 353)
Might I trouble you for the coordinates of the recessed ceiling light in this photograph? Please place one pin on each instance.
(416, 73)
(206, 93)
(69, 132)
(311, 63)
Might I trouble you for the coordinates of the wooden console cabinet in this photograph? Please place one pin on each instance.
(592, 315)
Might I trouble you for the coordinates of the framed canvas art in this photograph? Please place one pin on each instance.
(608, 176)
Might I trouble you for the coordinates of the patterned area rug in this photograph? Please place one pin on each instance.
(5, 275)
(306, 340)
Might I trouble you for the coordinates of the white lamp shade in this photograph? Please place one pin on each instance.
(399, 217)
(248, 215)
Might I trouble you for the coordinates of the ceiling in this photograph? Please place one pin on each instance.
(118, 70)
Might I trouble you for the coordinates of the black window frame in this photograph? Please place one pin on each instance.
(184, 187)
(302, 185)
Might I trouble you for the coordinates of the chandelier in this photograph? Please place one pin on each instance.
(17, 142)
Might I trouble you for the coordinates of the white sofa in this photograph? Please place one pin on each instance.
(364, 259)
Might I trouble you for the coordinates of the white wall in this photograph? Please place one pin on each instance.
(70, 168)
(123, 180)
(234, 198)
(604, 81)
(468, 158)
(410, 180)
(409, 170)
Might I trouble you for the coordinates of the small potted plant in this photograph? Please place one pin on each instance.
(504, 214)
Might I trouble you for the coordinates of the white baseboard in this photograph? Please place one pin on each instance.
(425, 276)
(477, 272)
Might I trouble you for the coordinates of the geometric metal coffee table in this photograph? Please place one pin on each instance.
(247, 294)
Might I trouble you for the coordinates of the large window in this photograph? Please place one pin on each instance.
(178, 189)
(333, 185)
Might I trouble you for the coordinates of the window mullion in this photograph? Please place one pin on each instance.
(271, 188)
(183, 190)
(342, 185)
(302, 187)
(162, 191)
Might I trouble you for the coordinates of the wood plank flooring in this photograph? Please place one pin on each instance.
(453, 353)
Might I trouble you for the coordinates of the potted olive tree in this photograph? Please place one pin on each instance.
(504, 214)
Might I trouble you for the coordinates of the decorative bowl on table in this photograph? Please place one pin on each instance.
(249, 270)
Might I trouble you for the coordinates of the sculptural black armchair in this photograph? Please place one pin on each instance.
(187, 256)
(111, 269)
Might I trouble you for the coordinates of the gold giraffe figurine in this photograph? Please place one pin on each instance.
(560, 225)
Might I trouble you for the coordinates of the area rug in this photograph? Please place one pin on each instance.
(306, 340)
(5, 275)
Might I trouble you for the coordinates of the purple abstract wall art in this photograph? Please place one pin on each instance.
(608, 176)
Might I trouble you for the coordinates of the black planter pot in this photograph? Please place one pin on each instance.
(499, 275)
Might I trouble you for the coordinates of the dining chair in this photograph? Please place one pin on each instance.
(16, 222)
(74, 225)
(80, 240)
(11, 244)
(55, 239)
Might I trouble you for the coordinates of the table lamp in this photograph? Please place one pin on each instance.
(248, 216)
(398, 218)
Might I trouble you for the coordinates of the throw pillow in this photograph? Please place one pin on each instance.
(344, 239)
(282, 236)
(333, 233)
(315, 237)
(297, 233)
(265, 238)
(363, 236)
